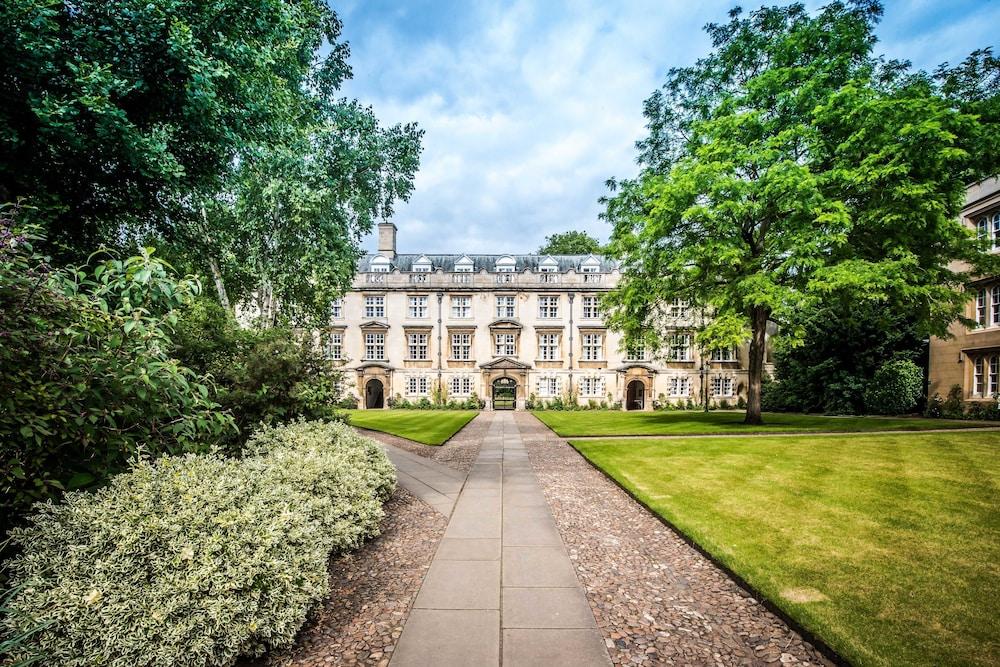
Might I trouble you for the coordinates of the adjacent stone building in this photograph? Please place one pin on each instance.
(509, 327)
(971, 358)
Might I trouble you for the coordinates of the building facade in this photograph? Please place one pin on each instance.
(970, 359)
(507, 328)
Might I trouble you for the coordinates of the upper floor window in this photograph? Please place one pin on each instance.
(380, 264)
(593, 347)
(506, 306)
(988, 227)
(981, 307)
(995, 305)
(680, 347)
(679, 308)
(335, 346)
(591, 308)
(461, 346)
(461, 307)
(374, 306)
(422, 265)
(548, 347)
(463, 265)
(375, 346)
(505, 344)
(548, 307)
(590, 269)
(635, 353)
(417, 307)
(724, 354)
(417, 346)
(337, 308)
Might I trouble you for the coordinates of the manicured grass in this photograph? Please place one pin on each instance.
(691, 422)
(430, 427)
(886, 546)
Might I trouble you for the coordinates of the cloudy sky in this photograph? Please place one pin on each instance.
(529, 107)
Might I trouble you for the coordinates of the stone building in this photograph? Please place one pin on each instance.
(506, 327)
(971, 357)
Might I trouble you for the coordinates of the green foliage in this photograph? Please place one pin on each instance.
(570, 243)
(788, 167)
(216, 126)
(86, 379)
(261, 375)
(198, 559)
(843, 346)
(895, 388)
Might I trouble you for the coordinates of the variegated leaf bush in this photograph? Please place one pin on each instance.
(198, 559)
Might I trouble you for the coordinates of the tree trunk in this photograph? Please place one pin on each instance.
(758, 329)
(220, 286)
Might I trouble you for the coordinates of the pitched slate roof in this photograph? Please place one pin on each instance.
(488, 262)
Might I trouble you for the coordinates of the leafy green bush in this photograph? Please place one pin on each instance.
(895, 388)
(266, 376)
(86, 378)
(197, 559)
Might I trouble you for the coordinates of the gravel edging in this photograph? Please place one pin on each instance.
(656, 599)
(371, 592)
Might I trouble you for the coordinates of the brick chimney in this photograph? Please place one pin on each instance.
(387, 239)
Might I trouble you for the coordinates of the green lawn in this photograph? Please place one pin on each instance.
(690, 422)
(431, 427)
(886, 546)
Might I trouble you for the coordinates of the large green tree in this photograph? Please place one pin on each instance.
(790, 166)
(573, 242)
(212, 127)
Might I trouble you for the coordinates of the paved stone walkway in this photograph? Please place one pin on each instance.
(435, 484)
(501, 588)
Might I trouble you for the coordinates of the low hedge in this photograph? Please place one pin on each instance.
(197, 559)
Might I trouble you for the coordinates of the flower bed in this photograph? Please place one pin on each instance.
(198, 559)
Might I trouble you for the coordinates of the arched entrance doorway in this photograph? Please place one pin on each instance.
(374, 394)
(635, 395)
(504, 393)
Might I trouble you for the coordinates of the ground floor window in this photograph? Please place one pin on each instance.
(548, 386)
(680, 386)
(417, 385)
(461, 385)
(592, 385)
(722, 386)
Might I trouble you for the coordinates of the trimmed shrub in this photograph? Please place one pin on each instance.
(197, 559)
(895, 388)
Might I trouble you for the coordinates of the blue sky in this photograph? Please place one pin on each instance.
(529, 107)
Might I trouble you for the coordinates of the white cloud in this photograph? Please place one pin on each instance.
(528, 108)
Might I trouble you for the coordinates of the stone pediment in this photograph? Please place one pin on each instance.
(505, 364)
(629, 365)
(374, 324)
(373, 364)
(505, 323)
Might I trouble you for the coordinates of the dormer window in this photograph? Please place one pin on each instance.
(590, 265)
(422, 265)
(548, 265)
(463, 265)
(505, 264)
(380, 264)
